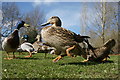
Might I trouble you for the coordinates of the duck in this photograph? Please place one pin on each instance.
(62, 39)
(102, 53)
(11, 43)
(26, 46)
(39, 46)
(24, 38)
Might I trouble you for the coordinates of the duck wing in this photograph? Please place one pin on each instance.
(66, 34)
(13, 39)
(27, 47)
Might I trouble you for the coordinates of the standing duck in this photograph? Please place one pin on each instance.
(62, 39)
(11, 43)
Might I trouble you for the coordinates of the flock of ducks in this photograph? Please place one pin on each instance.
(58, 41)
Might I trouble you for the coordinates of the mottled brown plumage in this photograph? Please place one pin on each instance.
(102, 52)
(61, 38)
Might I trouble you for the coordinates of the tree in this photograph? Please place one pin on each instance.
(84, 18)
(101, 23)
(10, 13)
(35, 18)
(103, 20)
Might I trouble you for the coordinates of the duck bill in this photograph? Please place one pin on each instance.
(47, 23)
(26, 25)
(110, 43)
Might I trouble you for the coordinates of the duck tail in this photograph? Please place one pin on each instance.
(80, 38)
(90, 46)
(84, 37)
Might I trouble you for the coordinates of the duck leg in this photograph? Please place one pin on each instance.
(13, 55)
(45, 55)
(57, 58)
(67, 50)
(7, 56)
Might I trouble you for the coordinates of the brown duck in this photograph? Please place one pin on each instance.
(101, 52)
(62, 39)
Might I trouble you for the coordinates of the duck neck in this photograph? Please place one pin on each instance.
(15, 32)
(56, 25)
(38, 40)
(18, 26)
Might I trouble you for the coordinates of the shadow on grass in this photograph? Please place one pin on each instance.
(108, 61)
(31, 58)
(49, 58)
(86, 63)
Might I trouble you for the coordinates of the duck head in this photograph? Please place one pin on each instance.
(110, 43)
(25, 38)
(22, 24)
(54, 20)
(38, 38)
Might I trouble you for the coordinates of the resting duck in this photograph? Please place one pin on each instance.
(26, 46)
(11, 43)
(101, 52)
(62, 39)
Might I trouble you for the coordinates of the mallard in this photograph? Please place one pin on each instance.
(39, 46)
(62, 39)
(26, 46)
(101, 52)
(11, 43)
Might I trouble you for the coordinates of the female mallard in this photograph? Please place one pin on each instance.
(62, 39)
(101, 52)
(37, 43)
(39, 46)
(11, 43)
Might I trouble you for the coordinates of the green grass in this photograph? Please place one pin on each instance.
(40, 67)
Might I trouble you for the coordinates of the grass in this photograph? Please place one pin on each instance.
(40, 67)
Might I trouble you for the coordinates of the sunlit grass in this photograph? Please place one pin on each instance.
(40, 67)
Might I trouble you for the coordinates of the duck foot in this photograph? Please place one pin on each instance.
(85, 61)
(8, 58)
(28, 56)
(57, 58)
(104, 60)
(11, 58)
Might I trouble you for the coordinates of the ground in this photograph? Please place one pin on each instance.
(44, 68)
